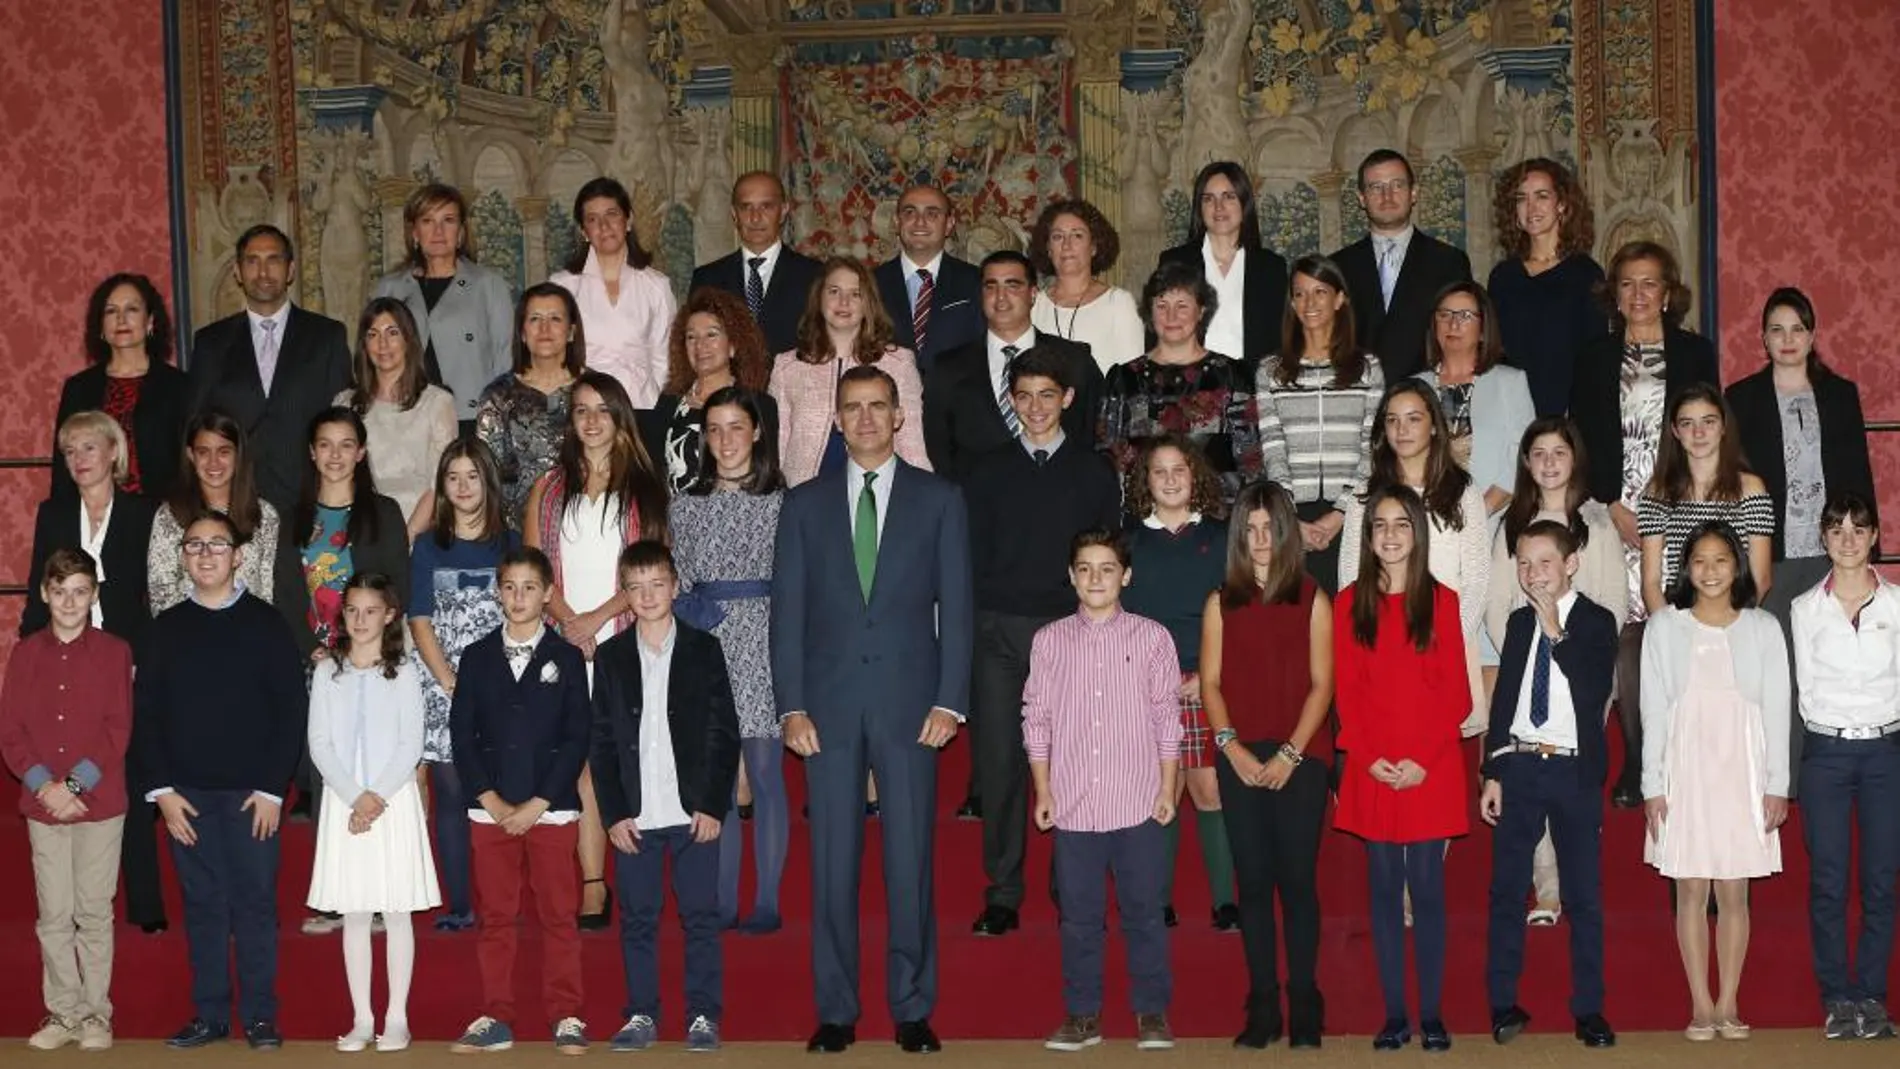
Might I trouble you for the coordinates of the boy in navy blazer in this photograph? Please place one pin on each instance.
(666, 755)
(1544, 763)
(519, 724)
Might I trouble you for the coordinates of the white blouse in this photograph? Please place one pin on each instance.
(627, 338)
(1110, 325)
(404, 447)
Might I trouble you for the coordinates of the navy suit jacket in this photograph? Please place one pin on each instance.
(701, 721)
(956, 308)
(1587, 657)
(843, 661)
(1397, 334)
(785, 294)
(525, 739)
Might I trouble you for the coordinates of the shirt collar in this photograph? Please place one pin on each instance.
(1401, 240)
(935, 266)
(856, 471)
(1152, 522)
(770, 255)
(666, 644)
(540, 631)
(79, 644)
(279, 317)
(1092, 624)
(1023, 344)
(1030, 448)
(237, 591)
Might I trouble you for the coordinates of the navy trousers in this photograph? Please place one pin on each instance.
(1844, 783)
(1393, 869)
(641, 878)
(1539, 789)
(229, 884)
(1136, 857)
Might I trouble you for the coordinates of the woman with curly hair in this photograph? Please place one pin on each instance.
(714, 343)
(844, 326)
(1177, 546)
(1545, 286)
(1072, 245)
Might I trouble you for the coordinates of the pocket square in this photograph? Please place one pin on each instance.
(946, 306)
(550, 674)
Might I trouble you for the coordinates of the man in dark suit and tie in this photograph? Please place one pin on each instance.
(1396, 271)
(967, 409)
(774, 280)
(1544, 762)
(272, 367)
(871, 638)
(930, 295)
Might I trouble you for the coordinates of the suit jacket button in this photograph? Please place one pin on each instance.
(468, 337)
(866, 660)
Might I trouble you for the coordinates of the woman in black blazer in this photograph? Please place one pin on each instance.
(131, 379)
(714, 344)
(1624, 379)
(1224, 233)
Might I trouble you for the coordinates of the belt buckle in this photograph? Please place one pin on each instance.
(1860, 734)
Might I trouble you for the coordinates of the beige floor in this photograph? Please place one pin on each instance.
(1768, 1050)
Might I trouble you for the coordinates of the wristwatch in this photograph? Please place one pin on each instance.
(75, 787)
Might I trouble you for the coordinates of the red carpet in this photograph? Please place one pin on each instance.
(1003, 988)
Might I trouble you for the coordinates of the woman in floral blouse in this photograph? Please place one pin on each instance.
(524, 414)
(1180, 387)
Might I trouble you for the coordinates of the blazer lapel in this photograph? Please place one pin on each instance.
(896, 528)
(244, 353)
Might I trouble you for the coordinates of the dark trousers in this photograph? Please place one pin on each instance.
(1539, 789)
(641, 877)
(1420, 868)
(1844, 783)
(229, 884)
(1629, 704)
(885, 744)
(1085, 861)
(1001, 667)
(1274, 836)
(453, 852)
(138, 862)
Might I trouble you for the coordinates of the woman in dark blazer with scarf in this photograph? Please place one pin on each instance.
(1224, 236)
(131, 378)
(1798, 401)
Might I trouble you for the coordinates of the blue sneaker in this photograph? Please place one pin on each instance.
(638, 1033)
(570, 1036)
(484, 1035)
(702, 1034)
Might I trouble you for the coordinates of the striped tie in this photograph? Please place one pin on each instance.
(1002, 394)
(920, 313)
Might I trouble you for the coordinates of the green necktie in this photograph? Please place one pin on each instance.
(864, 537)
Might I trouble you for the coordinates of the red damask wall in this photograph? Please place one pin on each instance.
(1807, 150)
(82, 146)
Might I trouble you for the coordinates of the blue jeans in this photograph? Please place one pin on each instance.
(453, 853)
(1845, 782)
(229, 884)
(1084, 862)
(1395, 867)
(695, 894)
(771, 831)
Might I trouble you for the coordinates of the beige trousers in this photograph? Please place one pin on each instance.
(76, 873)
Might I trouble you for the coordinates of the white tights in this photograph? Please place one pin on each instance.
(399, 947)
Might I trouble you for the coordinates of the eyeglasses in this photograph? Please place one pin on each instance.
(198, 547)
(1460, 316)
(1380, 189)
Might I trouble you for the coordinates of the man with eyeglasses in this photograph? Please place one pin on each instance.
(931, 295)
(217, 727)
(1396, 271)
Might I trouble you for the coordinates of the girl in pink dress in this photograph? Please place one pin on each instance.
(1715, 762)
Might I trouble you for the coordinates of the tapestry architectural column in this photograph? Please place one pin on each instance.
(1100, 35)
(533, 211)
(392, 193)
(1332, 227)
(755, 103)
(1480, 236)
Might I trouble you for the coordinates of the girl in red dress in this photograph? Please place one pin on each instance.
(1402, 692)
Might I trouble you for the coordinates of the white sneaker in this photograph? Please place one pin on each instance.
(95, 1033)
(54, 1032)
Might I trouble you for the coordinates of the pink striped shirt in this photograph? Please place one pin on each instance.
(1102, 707)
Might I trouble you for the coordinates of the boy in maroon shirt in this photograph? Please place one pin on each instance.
(65, 720)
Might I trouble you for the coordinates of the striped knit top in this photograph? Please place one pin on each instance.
(1752, 517)
(1317, 438)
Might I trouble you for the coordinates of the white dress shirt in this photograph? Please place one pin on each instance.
(1000, 363)
(911, 280)
(659, 777)
(1847, 673)
(1393, 246)
(93, 541)
(880, 490)
(1227, 332)
(765, 269)
(1560, 726)
(280, 320)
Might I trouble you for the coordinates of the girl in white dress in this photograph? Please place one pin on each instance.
(373, 854)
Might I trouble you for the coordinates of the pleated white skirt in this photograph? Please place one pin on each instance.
(387, 869)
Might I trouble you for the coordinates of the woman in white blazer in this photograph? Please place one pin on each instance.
(464, 312)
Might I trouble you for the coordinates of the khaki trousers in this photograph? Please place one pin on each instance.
(76, 874)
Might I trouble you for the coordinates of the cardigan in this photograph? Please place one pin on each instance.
(1596, 398)
(807, 398)
(158, 424)
(1760, 654)
(1844, 461)
(365, 729)
(1500, 410)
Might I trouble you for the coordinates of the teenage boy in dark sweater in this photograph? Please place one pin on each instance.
(218, 724)
(1027, 501)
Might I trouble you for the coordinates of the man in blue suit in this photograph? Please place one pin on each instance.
(871, 637)
(931, 295)
(1543, 764)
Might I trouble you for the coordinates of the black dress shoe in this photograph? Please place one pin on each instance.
(1305, 1018)
(263, 1035)
(198, 1032)
(971, 809)
(1260, 1033)
(745, 811)
(1168, 917)
(1507, 1023)
(1432, 1037)
(832, 1038)
(157, 927)
(872, 810)
(1626, 797)
(1396, 1034)
(1227, 918)
(1594, 1031)
(917, 1038)
(996, 920)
